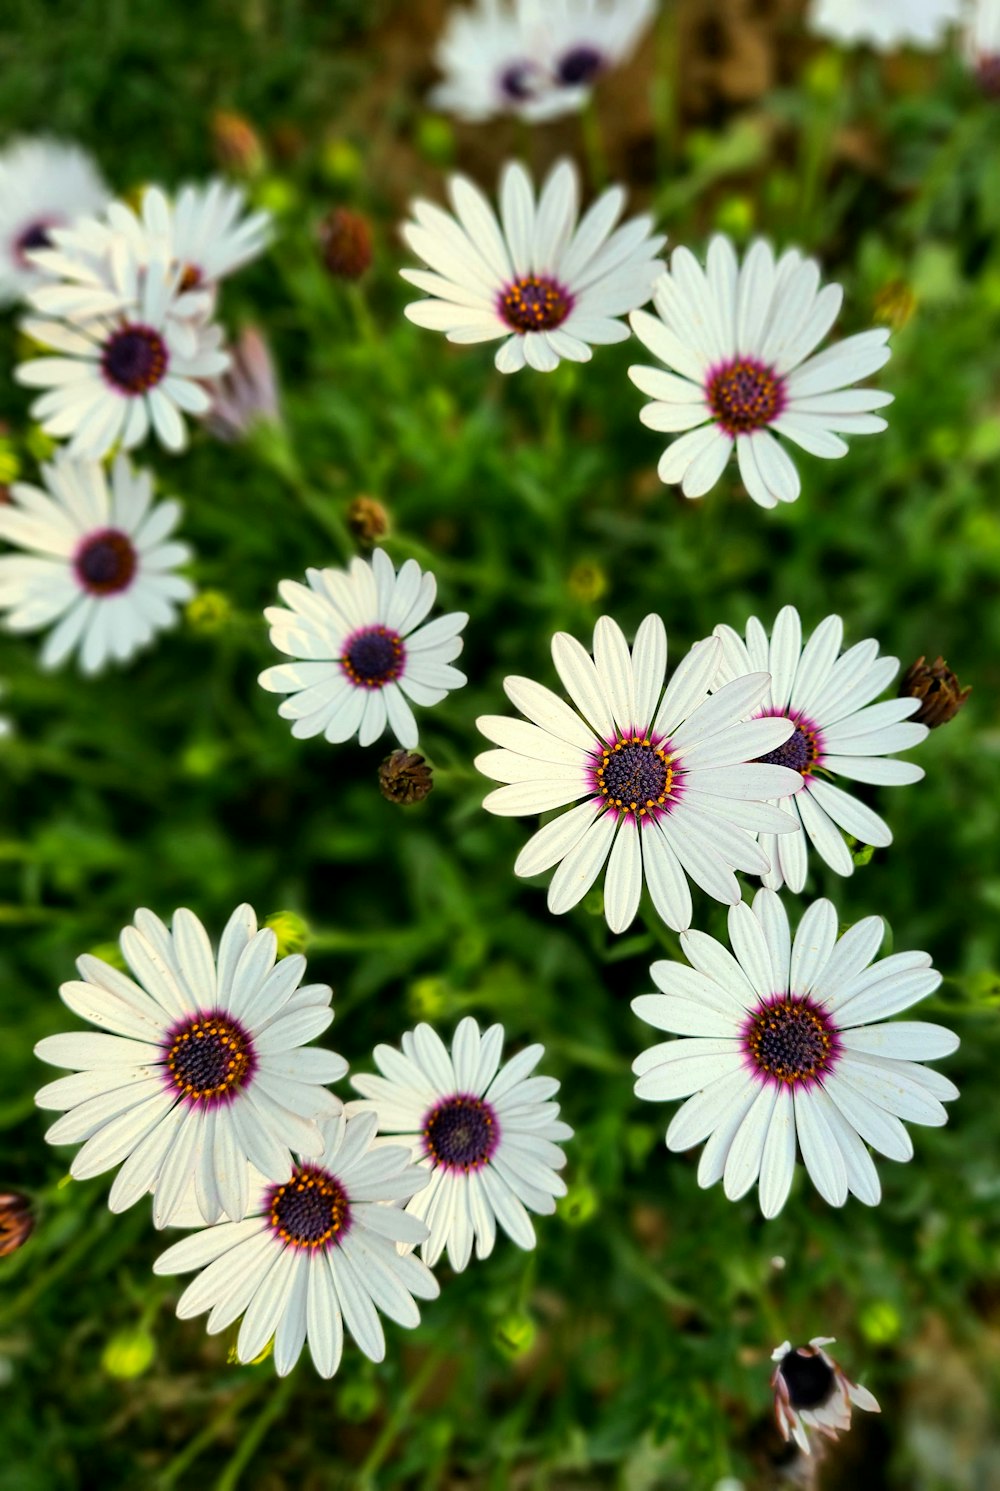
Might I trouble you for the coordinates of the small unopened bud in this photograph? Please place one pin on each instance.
(579, 1204)
(208, 612)
(894, 304)
(367, 519)
(345, 239)
(405, 777)
(129, 1354)
(237, 144)
(358, 1401)
(515, 1334)
(17, 1222)
(291, 930)
(427, 999)
(587, 581)
(939, 691)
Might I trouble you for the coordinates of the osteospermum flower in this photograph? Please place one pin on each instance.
(785, 1048)
(740, 342)
(97, 564)
(488, 1135)
(204, 229)
(361, 651)
(317, 1253)
(671, 785)
(885, 24)
(533, 60)
(812, 1392)
(551, 287)
(203, 1072)
(127, 356)
(838, 732)
(44, 184)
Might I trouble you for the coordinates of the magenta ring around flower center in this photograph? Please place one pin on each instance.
(208, 1059)
(534, 302)
(460, 1132)
(311, 1211)
(789, 1040)
(744, 395)
(634, 775)
(805, 749)
(373, 656)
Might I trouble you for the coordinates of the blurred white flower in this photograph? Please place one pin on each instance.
(247, 393)
(551, 286)
(982, 44)
(885, 24)
(44, 184)
(97, 563)
(740, 341)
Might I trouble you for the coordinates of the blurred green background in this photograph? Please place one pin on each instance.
(631, 1350)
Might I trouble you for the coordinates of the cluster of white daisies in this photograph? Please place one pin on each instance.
(200, 1088)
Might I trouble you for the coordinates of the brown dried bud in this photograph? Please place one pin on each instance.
(237, 145)
(345, 238)
(939, 691)
(404, 777)
(367, 519)
(16, 1222)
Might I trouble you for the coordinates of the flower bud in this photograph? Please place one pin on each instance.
(291, 930)
(895, 304)
(587, 581)
(345, 239)
(515, 1334)
(939, 691)
(237, 144)
(208, 612)
(405, 777)
(367, 519)
(17, 1222)
(128, 1354)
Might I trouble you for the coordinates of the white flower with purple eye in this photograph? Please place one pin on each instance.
(44, 184)
(812, 1392)
(982, 44)
(362, 650)
(98, 564)
(781, 1051)
(487, 1134)
(551, 287)
(584, 39)
(128, 354)
(740, 343)
(320, 1252)
(202, 1073)
(885, 25)
(838, 732)
(671, 782)
(205, 234)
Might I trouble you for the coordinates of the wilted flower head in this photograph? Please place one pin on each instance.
(345, 238)
(367, 519)
(939, 691)
(247, 394)
(405, 777)
(811, 1392)
(17, 1222)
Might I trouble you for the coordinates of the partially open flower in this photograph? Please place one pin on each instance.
(811, 1392)
(939, 691)
(247, 393)
(17, 1222)
(405, 777)
(345, 238)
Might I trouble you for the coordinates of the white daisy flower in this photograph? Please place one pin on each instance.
(812, 1392)
(361, 651)
(740, 342)
(982, 44)
(551, 287)
(673, 786)
(781, 1052)
(885, 25)
(43, 185)
(532, 59)
(488, 1135)
(316, 1253)
(126, 358)
(838, 732)
(203, 1072)
(98, 562)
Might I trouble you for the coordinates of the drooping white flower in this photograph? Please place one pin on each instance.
(671, 783)
(885, 25)
(783, 1049)
(740, 342)
(318, 1253)
(44, 184)
(97, 564)
(486, 1135)
(812, 1392)
(839, 732)
(203, 1072)
(552, 287)
(362, 652)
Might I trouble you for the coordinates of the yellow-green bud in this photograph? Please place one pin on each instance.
(291, 930)
(514, 1334)
(208, 612)
(129, 1354)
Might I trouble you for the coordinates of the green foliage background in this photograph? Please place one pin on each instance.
(632, 1348)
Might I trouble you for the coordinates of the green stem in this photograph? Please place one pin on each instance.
(252, 1438)
(593, 145)
(396, 1422)
(195, 1447)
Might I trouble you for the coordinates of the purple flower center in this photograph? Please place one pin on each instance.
(210, 1058)
(520, 81)
(635, 776)
(745, 395)
(808, 1378)
(988, 74)
(35, 236)
(311, 1210)
(801, 751)
(580, 66)
(535, 302)
(134, 359)
(373, 657)
(789, 1039)
(461, 1133)
(106, 562)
